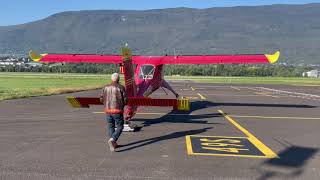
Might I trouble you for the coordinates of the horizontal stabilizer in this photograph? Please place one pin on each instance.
(179, 104)
(83, 102)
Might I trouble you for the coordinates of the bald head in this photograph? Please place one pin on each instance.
(115, 77)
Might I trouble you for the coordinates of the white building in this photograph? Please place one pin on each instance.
(313, 73)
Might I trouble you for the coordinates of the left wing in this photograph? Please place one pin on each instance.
(75, 58)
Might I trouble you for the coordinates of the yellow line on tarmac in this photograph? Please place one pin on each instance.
(232, 95)
(266, 94)
(189, 145)
(192, 97)
(236, 116)
(201, 97)
(275, 117)
(235, 88)
(193, 89)
(263, 148)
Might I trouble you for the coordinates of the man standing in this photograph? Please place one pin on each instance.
(114, 99)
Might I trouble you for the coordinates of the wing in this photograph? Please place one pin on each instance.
(194, 59)
(75, 58)
(209, 59)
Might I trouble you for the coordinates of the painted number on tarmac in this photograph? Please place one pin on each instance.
(222, 146)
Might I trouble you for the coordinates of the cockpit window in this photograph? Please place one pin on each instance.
(146, 72)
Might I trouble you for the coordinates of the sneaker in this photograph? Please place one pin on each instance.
(111, 144)
(115, 145)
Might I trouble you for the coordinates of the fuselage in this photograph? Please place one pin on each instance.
(148, 78)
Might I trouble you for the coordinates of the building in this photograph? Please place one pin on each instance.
(313, 73)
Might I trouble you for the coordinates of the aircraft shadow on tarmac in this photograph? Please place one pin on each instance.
(290, 164)
(204, 104)
(188, 117)
(172, 117)
(182, 116)
(174, 135)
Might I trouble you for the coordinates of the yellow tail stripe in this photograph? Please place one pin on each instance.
(73, 102)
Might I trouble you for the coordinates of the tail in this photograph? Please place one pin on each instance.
(130, 84)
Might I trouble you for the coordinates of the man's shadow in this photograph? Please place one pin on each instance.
(174, 135)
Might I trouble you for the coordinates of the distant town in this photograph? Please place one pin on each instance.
(13, 61)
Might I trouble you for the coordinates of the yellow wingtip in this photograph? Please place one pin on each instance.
(273, 58)
(34, 56)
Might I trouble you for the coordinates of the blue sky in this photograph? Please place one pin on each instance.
(22, 11)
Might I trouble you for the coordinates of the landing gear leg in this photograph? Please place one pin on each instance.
(166, 85)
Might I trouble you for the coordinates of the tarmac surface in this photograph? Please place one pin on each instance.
(232, 132)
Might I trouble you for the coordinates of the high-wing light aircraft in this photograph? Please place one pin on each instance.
(147, 76)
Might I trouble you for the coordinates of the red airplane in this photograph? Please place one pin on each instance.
(147, 76)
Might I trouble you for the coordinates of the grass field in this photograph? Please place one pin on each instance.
(18, 85)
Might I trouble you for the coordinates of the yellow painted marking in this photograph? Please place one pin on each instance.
(192, 97)
(189, 146)
(193, 89)
(232, 150)
(266, 94)
(201, 97)
(263, 93)
(229, 155)
(221, 136)
(274, 117)
(237, 116)
(184, 104)
(190, 150)
(73, 102)
(263, 148)
(232, 95)
(235, 88)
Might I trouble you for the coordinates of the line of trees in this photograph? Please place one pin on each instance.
(188, 70)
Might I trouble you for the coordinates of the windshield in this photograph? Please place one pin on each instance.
(146, 72)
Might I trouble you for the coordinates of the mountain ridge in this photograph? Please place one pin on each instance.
(292, 29)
